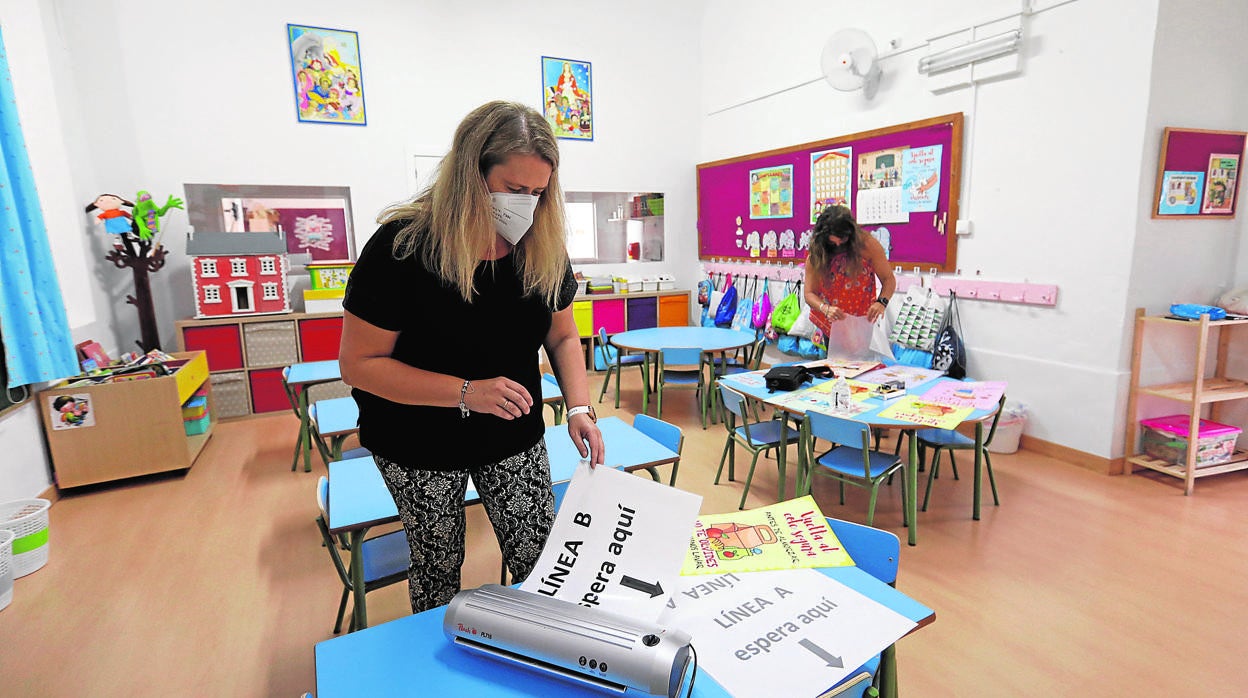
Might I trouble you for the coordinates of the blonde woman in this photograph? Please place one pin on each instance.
(445, 311)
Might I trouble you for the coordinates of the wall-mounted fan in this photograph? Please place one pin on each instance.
(849, 62)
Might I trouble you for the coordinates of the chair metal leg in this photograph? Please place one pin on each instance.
(654, 474)
(992, 480)
(675, 469)
(748, 479)
(954, 465)
(605, 381)
(875, 492)
(728, 446)
(932, 473)
(342, 609)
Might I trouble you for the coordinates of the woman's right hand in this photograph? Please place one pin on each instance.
(501, 397)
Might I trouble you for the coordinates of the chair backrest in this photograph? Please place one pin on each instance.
(681, 358)
(756, 354)
(995, 418)
(840, 431)
(604, 358)
(322, 497)
(322, 523)
(734, 402)
(874, 551)
(666, 433)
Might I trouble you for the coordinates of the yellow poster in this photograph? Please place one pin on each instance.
(928, 414)
(787, 535)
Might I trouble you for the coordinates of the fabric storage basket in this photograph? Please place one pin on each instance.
(27, 519)
(1166, 438)
(327, 391)
(6, 567)
(229, 394)
(270, 343)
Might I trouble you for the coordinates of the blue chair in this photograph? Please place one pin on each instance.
(667, 434)
(851, 461)
(609, 359)
(552, 395)
(951, 440)
(756, 437)
(682, 366)
(386, 557)
(878, 554)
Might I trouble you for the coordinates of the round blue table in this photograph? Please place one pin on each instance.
(711, 340)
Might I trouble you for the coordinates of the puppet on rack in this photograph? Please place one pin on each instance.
(136, 244)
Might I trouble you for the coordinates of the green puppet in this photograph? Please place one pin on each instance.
(147, 214)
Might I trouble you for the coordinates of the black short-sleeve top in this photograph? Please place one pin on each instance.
(498, 333)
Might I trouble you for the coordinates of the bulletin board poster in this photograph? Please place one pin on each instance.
(830, 180)
(1198, 173)
(771, 192)
(905, 177)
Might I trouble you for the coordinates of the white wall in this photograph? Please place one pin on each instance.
(1041, 210)
(143, 94)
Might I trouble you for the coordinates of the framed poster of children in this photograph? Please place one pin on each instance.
(901, 182)
(567, 97)
(325, 65)
(1198, 173)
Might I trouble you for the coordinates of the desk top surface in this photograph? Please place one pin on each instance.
(358, 497)
(707, 339)
(411, 656)
(336, 416)
(871, 416)
(310, 372)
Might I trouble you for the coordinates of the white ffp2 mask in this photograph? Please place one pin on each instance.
(513, 214)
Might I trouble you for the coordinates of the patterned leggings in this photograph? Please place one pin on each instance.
(517, 497)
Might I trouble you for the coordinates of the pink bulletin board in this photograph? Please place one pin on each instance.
(755, 190)
(1198, 173)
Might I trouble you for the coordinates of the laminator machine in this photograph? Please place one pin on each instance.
(574, 642)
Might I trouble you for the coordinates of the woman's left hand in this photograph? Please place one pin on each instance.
(587, 439)
(875, 312)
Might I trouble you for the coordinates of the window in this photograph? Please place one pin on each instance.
(582, 230)
(268, 265)
(269, 291)
(238, 266)
(207, 267)
(212, 294)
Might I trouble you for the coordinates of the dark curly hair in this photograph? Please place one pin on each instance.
(837, 221)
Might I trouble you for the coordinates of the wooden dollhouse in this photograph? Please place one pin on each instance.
(238, 274)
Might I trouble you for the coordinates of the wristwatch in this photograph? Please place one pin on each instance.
(882, 301)
(583, 409)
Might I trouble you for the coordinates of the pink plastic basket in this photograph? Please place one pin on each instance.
(1166, 438)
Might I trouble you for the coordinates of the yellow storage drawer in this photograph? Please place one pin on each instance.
(583, 313)
(191, 374)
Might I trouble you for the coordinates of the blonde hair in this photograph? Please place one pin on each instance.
(452, 220)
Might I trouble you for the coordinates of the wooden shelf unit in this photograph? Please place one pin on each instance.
(618, 312)
(138, 427)
(1201, 391)
(246, 355)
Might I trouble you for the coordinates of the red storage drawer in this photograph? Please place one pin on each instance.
(319, 338)
(221, 343)
(267, 394)
(609, 314)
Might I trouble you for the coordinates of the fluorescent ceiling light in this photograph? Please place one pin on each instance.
(966, 54)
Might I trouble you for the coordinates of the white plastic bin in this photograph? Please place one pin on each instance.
(1009, 429)
(6, 568)
(27, 519)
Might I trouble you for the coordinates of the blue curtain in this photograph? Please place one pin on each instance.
(37, 343)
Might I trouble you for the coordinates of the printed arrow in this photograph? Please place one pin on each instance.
(652, 589)
(832, 660)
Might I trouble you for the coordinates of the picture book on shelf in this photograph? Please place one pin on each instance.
(928, 414)
(788, 535)
(981, 395)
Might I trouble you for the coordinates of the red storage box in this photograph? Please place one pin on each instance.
(221, 343)
(267, 393)
(1166, 438)
(319, 338)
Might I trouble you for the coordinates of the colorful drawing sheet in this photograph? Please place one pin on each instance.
(818, 399)
(857, 389)
(752, 379)
(1181, 193)
(771, 192)
(912, 376)
(1220, 194)
(781, 633)
(928, 414)
(787, 535)
(981, 395)
(921, 180)
(831, 182)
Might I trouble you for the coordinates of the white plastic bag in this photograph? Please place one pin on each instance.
(850, 338)
(803, 326)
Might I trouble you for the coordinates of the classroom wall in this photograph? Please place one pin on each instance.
(151, 95)
(1052, 166)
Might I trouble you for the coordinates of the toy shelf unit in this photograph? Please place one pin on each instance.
(128, 428)
(246, 356)
(1202, 392)
(618, 312)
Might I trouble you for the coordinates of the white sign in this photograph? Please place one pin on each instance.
(617, 545)
(782, 633)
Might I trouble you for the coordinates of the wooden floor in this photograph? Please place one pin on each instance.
(214, 583)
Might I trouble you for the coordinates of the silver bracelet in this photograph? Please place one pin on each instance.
(463, 409)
